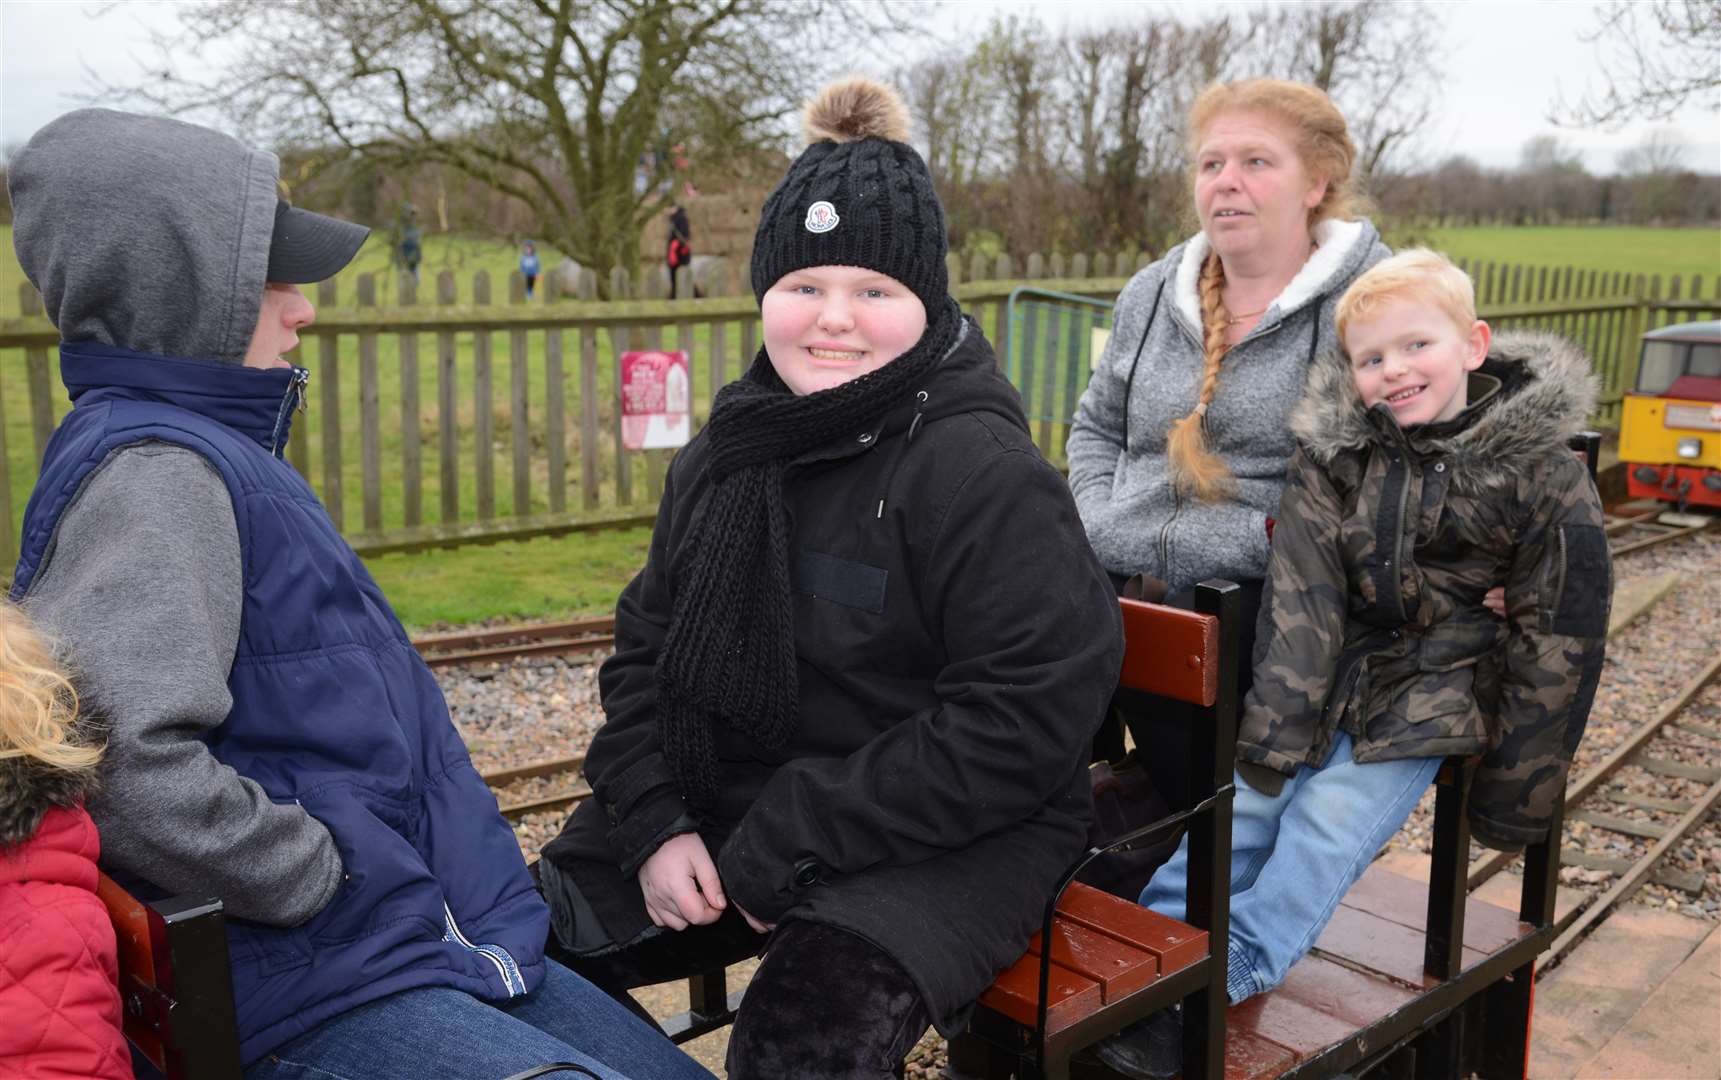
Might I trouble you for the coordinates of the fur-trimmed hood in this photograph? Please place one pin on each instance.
(29, 789)
(1533, 392)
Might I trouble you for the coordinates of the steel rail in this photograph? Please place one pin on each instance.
(1583, 787)
(1637, 875)
(1673, 533)
(533, 770)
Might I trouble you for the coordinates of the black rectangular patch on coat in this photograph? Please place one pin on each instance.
(1586, 582)
(841, 581)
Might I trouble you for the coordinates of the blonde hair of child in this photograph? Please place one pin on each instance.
(37, 704)
(1412, 274)
(1325, 148)
(1322, 138)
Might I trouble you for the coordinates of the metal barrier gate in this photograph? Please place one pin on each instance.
(1054, 341)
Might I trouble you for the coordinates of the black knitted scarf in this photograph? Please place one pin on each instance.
(729, 656)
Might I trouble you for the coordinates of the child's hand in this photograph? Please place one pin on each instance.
(680, 884)
(1495, 600)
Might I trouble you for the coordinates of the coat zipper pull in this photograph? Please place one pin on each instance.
(293, 400)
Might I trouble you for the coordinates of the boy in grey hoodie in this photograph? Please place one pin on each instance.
(275, 742)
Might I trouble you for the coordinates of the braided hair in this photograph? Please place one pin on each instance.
(1196, 469)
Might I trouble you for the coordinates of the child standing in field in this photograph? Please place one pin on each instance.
(530, 266)
(58, 962)
(852, 696)
(1429, 467)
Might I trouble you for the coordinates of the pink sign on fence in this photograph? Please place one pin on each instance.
(656, 400)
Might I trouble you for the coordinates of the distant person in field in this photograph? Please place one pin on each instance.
(410, 251)
(678, 251)
(854, 687)
(1431, 457)
(274, 739)
(529, 266)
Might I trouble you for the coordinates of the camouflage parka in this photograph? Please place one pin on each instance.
(1386, 542)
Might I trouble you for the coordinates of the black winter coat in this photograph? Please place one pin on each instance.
(957, 644)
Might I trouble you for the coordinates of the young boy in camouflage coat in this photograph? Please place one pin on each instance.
(1430, 468)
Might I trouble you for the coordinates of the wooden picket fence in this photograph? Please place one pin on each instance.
(466, 419)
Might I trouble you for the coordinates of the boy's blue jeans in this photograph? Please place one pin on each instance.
(439, 1031)
(1295, 855)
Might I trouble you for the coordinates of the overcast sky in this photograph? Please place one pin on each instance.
(1509, 62)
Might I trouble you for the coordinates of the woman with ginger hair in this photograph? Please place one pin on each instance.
(1178, 452)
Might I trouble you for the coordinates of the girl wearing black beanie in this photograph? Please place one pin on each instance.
(855, 684)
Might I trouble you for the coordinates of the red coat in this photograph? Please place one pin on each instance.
(59, 972)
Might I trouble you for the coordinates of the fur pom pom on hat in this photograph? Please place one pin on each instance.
(856, 108)
(859, 195)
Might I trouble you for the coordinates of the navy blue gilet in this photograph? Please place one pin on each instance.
(332, 708)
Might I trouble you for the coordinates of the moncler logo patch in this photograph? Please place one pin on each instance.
(822, 217)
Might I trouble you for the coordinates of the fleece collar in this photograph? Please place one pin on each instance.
(1336, 244)
(255, 402)
(1545, 394)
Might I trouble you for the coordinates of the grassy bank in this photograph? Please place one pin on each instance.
(1636, 251)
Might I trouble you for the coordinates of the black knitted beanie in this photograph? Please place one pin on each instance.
(858, 196)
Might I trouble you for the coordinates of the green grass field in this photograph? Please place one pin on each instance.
(1636, 251)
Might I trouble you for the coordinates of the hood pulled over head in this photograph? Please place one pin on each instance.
(145, 233)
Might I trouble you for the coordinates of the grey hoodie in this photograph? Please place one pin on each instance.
(153, 235)
(145, 233)
(1148, 378)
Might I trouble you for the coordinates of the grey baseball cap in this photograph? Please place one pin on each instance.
(308, 246)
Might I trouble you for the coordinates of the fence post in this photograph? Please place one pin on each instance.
(370, 420)
(447, 407)
(483, 406)
(411, 452)
(519, 410)
(621, 287)
(555, 415)
(588, 288)
(722, 285)
(40, 381)
(329, 375)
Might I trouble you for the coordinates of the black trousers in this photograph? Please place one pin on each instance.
(824, 1002)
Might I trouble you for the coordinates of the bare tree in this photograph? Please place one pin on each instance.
(1658, 152)
(1657, 57)
(588, 114)
(1380, 61)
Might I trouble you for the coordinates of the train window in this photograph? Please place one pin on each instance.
(1705, 361)
(1663, 362)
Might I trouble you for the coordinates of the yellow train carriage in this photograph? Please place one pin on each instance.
(1670, 427)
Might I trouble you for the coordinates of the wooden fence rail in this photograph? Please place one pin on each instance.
(466, 419)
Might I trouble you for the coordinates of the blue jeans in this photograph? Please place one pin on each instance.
(439, 1031)
(1295, 855)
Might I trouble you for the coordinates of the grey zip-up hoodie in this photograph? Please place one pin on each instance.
(153, 235)
(1148, 378)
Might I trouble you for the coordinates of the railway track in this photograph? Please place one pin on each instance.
(578, 638)
(539, 788)
(1639, 529)
(1653, 748)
